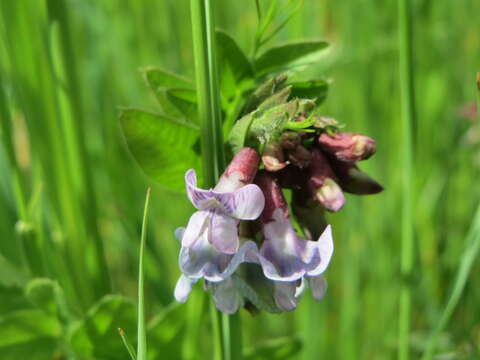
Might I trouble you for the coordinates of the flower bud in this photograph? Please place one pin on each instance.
(347, 147)
(241, 170)
(273, 196)
(292, 177)
(353, 180)
(322, 184)
(273, 157)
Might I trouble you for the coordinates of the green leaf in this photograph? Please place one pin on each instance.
(10, 274)
(270, 124)
(239, 132)
(160, 81)
(166, 331)
(163, 147)
(158, 78)
(185, 101)
(28, 334)
(279, 56)
(12, 298)
(277, 349)
(43, 294)
(313, 89)
(263, 92)
(236, 66)
(97, 334)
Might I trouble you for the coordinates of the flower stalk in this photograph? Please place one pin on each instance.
(408, 118)
(208, 97)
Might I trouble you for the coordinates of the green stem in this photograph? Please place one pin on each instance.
(225, 331)
(468, 258)
(141, 332)
(408, 114)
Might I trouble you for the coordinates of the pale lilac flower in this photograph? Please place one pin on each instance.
(222, 208)
(202, 260)
(285, 257)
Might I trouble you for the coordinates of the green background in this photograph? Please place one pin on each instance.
(69, 187)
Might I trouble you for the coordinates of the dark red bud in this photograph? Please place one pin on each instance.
(347, 147)
(274, 198)
(353, 180)
(241, 170)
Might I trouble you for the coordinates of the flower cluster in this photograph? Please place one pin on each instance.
(242, 240)
(213, 250)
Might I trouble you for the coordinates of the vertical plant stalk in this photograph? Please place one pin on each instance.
(469, 256)
(141, 328)
(407, 98)
(226, 339)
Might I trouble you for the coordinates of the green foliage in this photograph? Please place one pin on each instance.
(43, 293)
(28, 334)
(163, 147)
(51, 123)
(97, 334)
(314, 89)
(276, 349)
(278, 57)
(166, 332)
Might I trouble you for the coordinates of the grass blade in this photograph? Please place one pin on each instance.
(128, 346)
(468, 258)
(408, 114)
(141, 330)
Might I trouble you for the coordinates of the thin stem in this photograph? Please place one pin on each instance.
(468, 258)
(408, 114)
(259, 10)
(141, 329)
(208, 94)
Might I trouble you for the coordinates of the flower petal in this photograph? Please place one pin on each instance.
(318, 284)
(203, 260)
(284, 295)
(183, 288)
(246, 203)
(195, 228)
(198, 197)
(324, 244)
(226, 296)
(179, 233)
(223, 233)
(284, 255)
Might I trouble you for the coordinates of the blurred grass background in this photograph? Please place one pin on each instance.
(71, 197)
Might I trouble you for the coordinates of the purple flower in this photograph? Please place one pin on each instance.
(286, 258)
(221, 208)
(202, 260)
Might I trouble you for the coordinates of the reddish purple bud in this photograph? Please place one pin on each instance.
(353, 180)
(347, 147)
(273, 157)
(241, 170)
(300, 156)
(272, 192)
(322, 184)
